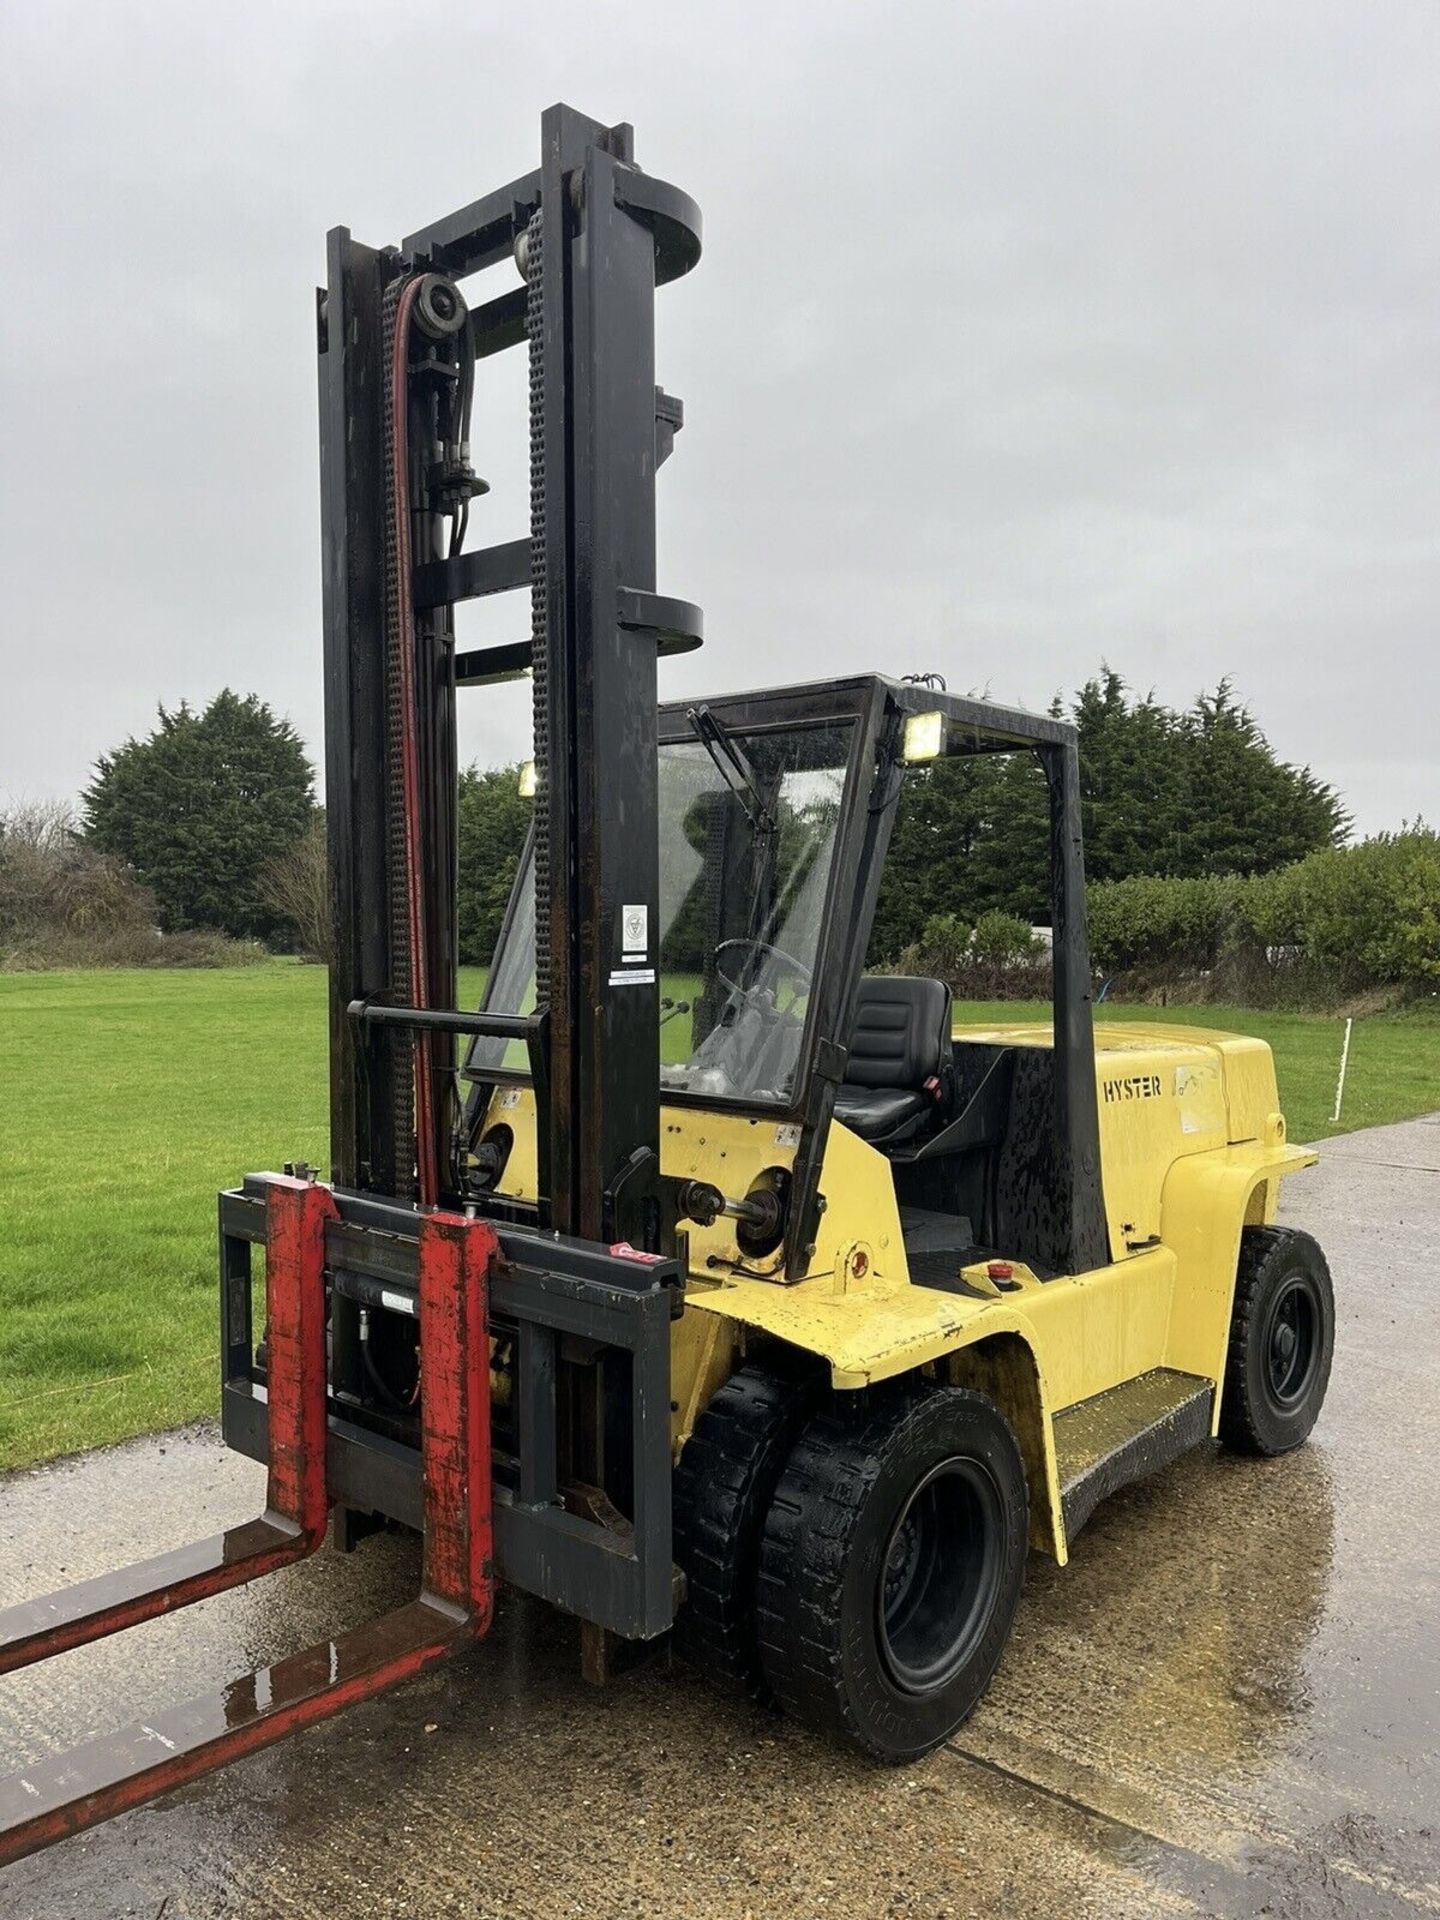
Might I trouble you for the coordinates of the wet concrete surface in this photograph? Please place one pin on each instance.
(1228, 1703)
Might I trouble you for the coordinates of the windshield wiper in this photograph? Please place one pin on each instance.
(732, 766)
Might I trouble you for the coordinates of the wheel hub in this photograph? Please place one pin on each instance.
(941, 1575)
(1293, 1345)
(903, 1560)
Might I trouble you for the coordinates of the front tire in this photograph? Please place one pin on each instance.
(891, 1569)
(1282, 1341)
(724, 1483)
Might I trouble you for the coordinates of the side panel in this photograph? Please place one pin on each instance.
(1102, 1328)
(1251, 1095)
(1168, 1306)
(704, 1352)
(1007, 1372)
(1165, 1094)
(1157, 1105)
(860, 1226)
(1207, 1202)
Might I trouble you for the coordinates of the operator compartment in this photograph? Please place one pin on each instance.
(785, 1072)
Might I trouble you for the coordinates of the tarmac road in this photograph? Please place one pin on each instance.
(1229, 1703)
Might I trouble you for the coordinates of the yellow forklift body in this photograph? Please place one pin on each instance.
(1192, 1149)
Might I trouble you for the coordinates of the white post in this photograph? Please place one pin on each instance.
(1344, 1062)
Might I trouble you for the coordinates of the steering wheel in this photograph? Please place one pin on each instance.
(794, 969)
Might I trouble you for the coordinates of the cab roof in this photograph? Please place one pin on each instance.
(976, 726)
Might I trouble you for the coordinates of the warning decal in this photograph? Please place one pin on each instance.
(635, 931)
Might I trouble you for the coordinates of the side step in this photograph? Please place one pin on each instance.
(1103, 1444)
(73, 1791)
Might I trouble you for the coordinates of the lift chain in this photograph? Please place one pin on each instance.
(539, 611)
(402, 982)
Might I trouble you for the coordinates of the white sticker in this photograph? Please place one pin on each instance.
(787, 1136)
(635, 931)
(510, 1097)
(632, 977)
(397, 1302)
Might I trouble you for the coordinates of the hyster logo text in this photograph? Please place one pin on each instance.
(1136, 1086)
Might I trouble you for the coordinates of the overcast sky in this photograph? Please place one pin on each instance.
(1028, 333)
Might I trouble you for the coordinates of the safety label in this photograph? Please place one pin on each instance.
(632, 976)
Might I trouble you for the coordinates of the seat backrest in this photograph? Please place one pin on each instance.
(901, 1035)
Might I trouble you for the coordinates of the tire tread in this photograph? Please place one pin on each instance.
(723, 1482)
(1260, 1249)
(831, 1472)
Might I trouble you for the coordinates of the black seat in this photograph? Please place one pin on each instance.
(899, 1067)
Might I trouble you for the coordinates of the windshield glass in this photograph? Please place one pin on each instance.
(748, 823)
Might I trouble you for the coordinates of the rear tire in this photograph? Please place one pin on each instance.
(1282, 1342)
(891, 1569)
(724, 1482)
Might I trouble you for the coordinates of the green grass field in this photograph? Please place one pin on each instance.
(128, 1099)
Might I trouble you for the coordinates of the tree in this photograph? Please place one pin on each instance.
(1133, 805)
(940, 817)
(493, 820)
(297, 887)
(971, 836)
(1175, 794)
(1192, 793)
(1012, 854)
(201, 807)
(1246, 811)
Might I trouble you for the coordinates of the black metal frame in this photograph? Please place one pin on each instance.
(593, 237)
(599, 237)
(972, 726)
(977, 726)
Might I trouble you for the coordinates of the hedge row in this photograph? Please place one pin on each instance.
(1369, 914)
(62, 904)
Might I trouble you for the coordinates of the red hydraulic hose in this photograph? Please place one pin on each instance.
(427, 1184)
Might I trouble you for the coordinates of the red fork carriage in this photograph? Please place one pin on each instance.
(464, 1283)
(454, 1257)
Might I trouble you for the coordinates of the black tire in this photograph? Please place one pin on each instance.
(1282, 1341)
(723, 1485)
(891, 1569)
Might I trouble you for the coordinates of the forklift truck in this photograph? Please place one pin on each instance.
(700, 1280)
